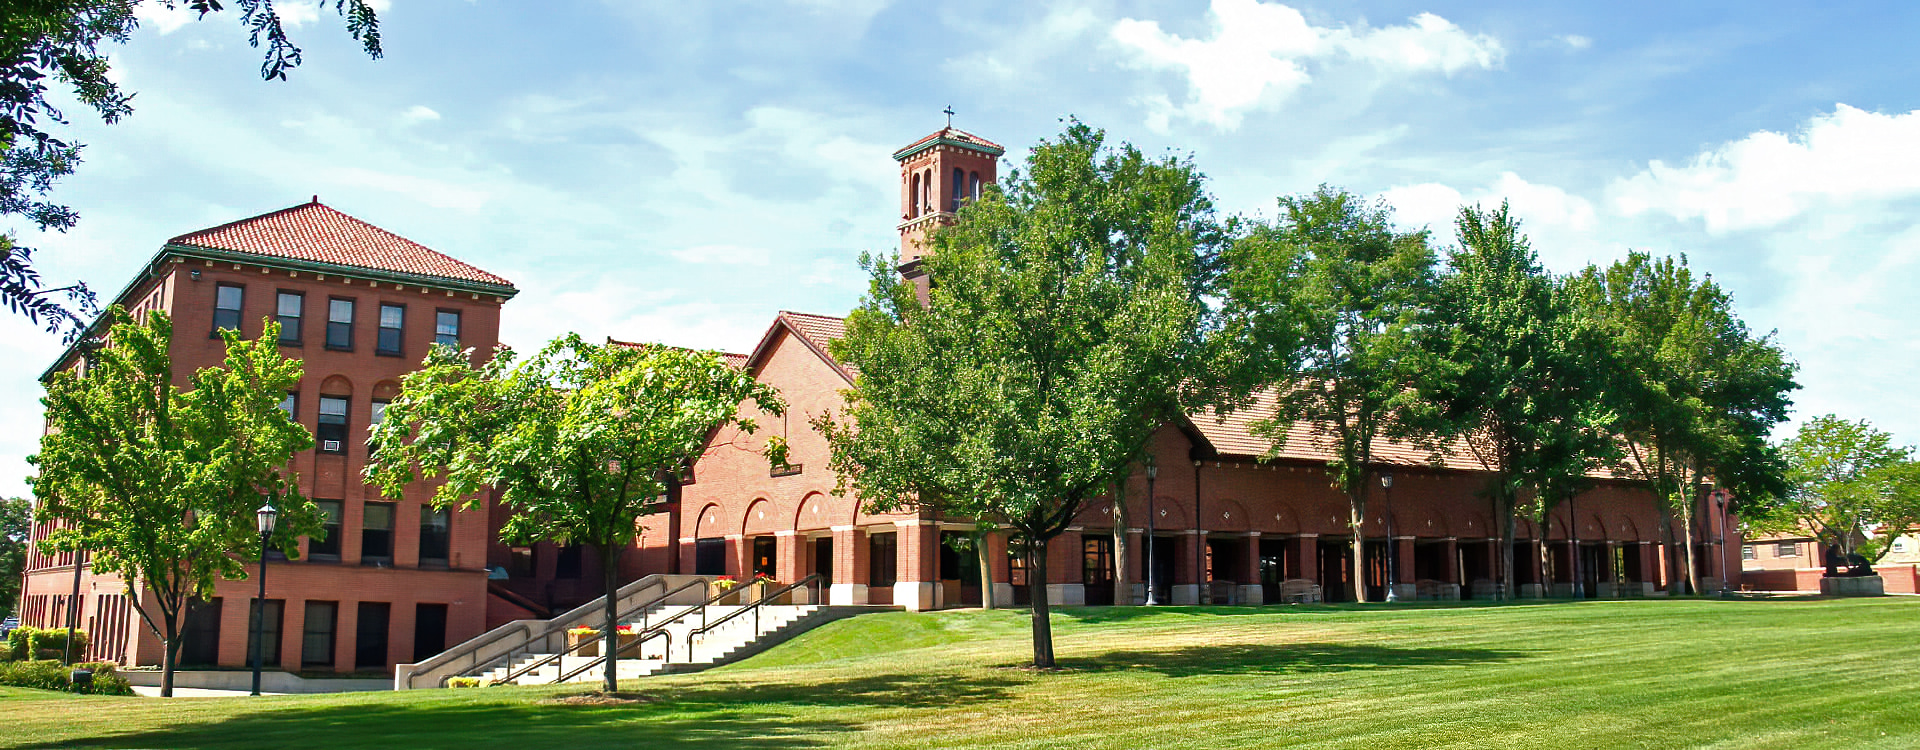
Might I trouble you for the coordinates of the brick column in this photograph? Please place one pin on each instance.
(1065, 558)
(999, 573)
(1250, 591)
(739, 558)
(789, 563)
(1186, 573)
(849, 566)
(918, 564)
(1306, 555)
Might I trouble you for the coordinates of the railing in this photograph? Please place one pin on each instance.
(514, 674)
(812, 581)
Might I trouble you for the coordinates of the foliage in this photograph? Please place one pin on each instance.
(1699, 391)
(1064, 324)
(580, 440)
(48, 41)
(468, 682)
(50, 674)
(159, 484)
(16, 524)
(1322, 306)
(1512, 375)
(27, 642)
(1848, 482)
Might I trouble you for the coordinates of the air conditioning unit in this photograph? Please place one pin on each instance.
(330, 446)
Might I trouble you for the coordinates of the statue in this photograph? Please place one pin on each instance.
(1833, 560)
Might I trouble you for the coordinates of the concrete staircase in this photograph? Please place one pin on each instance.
(746, 633)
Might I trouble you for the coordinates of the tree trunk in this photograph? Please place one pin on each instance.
(1509, 523)
(1686, 534)
(1359, 519)
(986, 568)
(169, 652)
(1037, 593)
(1122, 587)
(1543, 551)
(610, 630)
(1675, 582)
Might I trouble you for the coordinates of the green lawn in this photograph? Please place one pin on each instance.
(1787, 673)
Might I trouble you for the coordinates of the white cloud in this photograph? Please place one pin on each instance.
(419, 113)
(1769, 178)
(1574, 42)
(163, 19)
(1259, 54)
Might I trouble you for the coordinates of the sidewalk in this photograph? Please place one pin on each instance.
(153, 691)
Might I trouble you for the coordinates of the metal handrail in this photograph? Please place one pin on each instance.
(550, 658)
(702, 631)
(521, 647)
(646, 634)
(661, 628)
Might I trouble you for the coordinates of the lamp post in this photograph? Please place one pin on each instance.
(1393, 545)
(1720, 498)
(266, 515)
(1153, 472)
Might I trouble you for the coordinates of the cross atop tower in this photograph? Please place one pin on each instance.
(949, 111)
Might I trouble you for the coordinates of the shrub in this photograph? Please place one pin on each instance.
(50, 675)
(468, 682)
(18, 642)
(27, 643)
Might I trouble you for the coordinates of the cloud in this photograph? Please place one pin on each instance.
(162, 18)
(1574, 42)
(419, 113)
(1259, 54)
(1769, 178)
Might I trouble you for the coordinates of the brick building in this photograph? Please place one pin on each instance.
(393, 580)
(1225, 525)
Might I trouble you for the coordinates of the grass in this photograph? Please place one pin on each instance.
(1693, 673)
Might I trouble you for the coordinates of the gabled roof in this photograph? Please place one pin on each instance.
(950, 136)
(814, 331)
(316, 233)
(1233, 435)
(736, 361)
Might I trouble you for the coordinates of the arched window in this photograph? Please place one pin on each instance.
(913, 197)
(973, 189)
(926, 191)
(959, 188)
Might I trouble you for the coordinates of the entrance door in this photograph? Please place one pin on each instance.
(1376, 570)
(1336, 570)
(959, 570)
(764, 548)
(823, 559)
(1162, 552)
(710, 557)
(1273, 568)
(1096, 569)
(429, 631)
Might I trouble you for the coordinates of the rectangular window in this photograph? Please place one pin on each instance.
(709, 557)
(200, 634)
(340, 324)
(1786, 549)
(446, 328)
(376, 534)
(291, 405)
(568, 564)
(436, 534)
(226, 307)
(289, 314)
(1747, 553)
(379, 414)
(522, 562)
(370, 636)
(269, 639)
(332, 434)
(316, 636)
(393, 323)
(326, 547)
(882, 556)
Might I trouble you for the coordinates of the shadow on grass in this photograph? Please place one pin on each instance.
(1123, 614)
(1298, 658)
(722, 714)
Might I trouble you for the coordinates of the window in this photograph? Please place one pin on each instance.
(376, 534)
(200, 634)
(522, 562)
(370, 636)
(316, 636)
(333, 425)
(429, 631)
(326, 547)
(379, 414)
(393, 324)
(1747, 552)
(340, 324)
(446, 328)
(1786, 549)
(959, 188)
(1900, 544)
(764, 550)
(973, 190)
(709, 557)
(288, 313)
(291, 405)
(436, 526)
(881, 559)
(568, 566)
(226, 307)
(269, 639)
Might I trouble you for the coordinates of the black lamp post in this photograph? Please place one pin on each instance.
(1393, 545)
(1720, 498)
(1153, 583)
(266, 515)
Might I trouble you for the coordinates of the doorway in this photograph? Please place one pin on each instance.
(1096, 569)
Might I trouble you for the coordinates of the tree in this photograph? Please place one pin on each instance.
(61, 40)
(1324, 304)
(581, 440)
(1064, 320)
(16, 524)
(1847, 482)
(1512, 376)
(1699, 390)
(160, 484)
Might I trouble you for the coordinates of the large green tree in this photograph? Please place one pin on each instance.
(158, 483)
(580, 440)
(47, 42)
(16, 523)
(1512, 375)
(1324, 304)
(1848, 484)
(1064, 323)
(1699, 391)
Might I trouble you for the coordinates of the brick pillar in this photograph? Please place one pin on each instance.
(789, 563)
(293, 624)
(1186, 572)
(686, 560)
(1065, 560)
(1450, 561)
(1136, 567)
(999, 572)
(918, 564)
(1306, 555)
(1250, 591)
(739, 558)
(849, 566)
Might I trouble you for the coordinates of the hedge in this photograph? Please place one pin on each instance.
(50, 675)
(26, 643)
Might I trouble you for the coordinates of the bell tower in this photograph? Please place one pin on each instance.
(938, 174)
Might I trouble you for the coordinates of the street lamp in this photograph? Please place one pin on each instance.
(1393, 547)
(1153, 472)
(1726, 571)
(266, 515)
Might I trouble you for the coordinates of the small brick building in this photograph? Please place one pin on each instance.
(395, 579)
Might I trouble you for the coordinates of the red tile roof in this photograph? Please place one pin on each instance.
(816, 331)
(953, 134)
(316, 233)
(730, 359)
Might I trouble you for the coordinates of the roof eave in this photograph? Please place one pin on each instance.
(504, 291)
(910, 151)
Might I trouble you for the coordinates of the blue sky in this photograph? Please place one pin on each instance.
(680, 171)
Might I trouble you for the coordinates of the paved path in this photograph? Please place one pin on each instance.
(187, 692)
